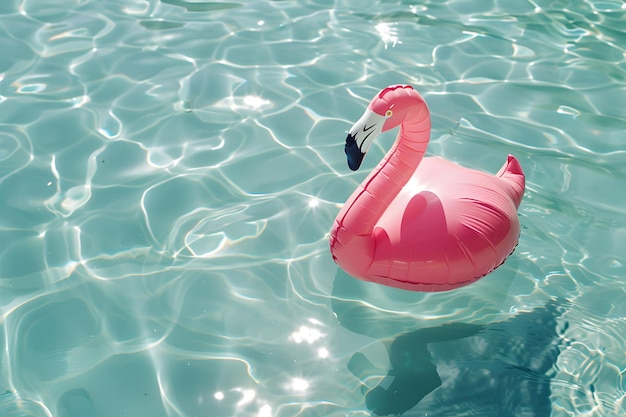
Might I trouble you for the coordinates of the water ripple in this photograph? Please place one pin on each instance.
(169, 171)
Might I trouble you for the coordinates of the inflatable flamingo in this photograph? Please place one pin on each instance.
(423, 224)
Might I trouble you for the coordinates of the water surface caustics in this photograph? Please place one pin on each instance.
(169, 171)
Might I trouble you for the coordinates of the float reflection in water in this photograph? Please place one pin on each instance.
(460, 369)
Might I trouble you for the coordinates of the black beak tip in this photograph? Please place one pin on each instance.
(353, 153)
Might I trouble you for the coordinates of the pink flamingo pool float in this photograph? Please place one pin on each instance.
(422, 224)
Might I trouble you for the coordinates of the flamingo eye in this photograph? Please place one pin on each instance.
(388, 113)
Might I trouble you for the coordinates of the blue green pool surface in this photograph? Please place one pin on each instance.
(170, 170)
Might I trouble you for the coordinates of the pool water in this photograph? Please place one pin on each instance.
(170, 170)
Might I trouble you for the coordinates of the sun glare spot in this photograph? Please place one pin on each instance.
(323, 353)
(306, 334)
(255, 102)
(388, 34)
(299, 384)
(247, 396)
(265, 411)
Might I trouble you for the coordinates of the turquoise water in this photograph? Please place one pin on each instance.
(169, 172)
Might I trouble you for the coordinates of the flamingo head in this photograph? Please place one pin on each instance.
(388, 109)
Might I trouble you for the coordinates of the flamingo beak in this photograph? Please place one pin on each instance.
(361, 136)
(353, 153)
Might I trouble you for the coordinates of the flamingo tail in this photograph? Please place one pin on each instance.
(513, 174)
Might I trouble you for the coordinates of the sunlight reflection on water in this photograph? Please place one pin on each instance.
(170, 171)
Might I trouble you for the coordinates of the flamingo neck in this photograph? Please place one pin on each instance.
(369, 201)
